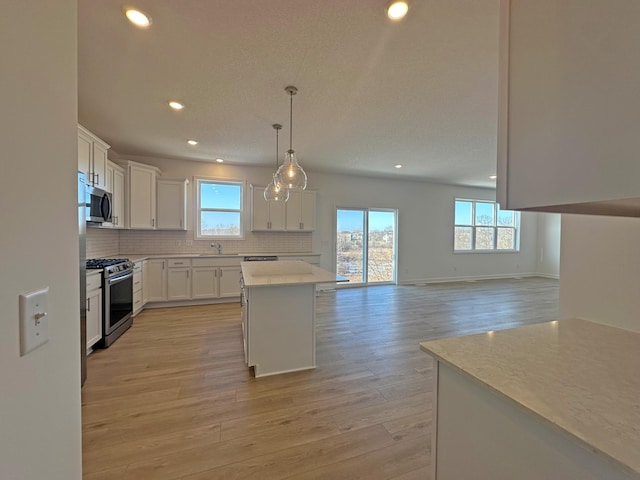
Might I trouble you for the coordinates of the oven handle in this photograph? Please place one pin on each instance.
(121, 278)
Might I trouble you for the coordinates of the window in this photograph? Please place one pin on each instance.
(219, 208)
(480, 225)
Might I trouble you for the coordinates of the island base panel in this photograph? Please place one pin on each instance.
(480, 434)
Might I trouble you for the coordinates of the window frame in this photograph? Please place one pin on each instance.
(496, 209)
(198, 182)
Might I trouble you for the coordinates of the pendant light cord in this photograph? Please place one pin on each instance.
(291, 120)
(277, 149)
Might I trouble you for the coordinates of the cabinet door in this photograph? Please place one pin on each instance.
(308, 210)
(276, 215)
(230, 281)
(171, 204)
(94, 317)
(118, 198)
(293, 211)
(204, 282)
(259, 209)
(179, 283)
(142, 198)
(155, 280)
(84, 155)
(100, 165)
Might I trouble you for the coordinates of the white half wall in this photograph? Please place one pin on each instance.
(40, 428)
(600, 265)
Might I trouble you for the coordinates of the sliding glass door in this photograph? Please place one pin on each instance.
(366, 245)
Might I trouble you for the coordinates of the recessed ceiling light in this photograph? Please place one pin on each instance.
(219, 160)
(176, 105)
(493, 177)
(192, 142)
(397, 10)
(138, 18)
(398, 165)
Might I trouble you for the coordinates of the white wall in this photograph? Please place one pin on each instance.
(425, 220)
(548, 245)
(40, 430)
(600, 270)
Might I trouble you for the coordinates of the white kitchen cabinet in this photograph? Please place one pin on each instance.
(155, 280)
(569, 75)
(92, 158)
(230, 281)
(301, 211)
(204, 282)
(115, 184)
(172, 204)
(179, 279)
(140, 193)
(138, 281)
(266, 216)
(94, 309)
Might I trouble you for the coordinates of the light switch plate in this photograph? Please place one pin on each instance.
(34, 320)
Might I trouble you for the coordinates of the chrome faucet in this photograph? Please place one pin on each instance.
(218, 246)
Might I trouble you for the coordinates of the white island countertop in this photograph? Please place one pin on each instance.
(285, 272)
(580, 377)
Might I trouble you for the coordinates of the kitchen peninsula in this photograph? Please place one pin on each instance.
(278, 314)
(556, 400)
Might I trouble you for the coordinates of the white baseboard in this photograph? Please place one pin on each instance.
(471, 278)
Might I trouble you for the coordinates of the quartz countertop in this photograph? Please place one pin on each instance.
(579, 376)
(285, 272)
(136, 257)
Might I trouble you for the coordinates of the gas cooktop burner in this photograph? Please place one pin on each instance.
(96, 263)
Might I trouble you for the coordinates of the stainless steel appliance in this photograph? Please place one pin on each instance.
(82, 229)
(99, 205)
(117, 294)
(260, 258)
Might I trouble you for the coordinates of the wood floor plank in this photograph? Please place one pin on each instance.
(172, 399)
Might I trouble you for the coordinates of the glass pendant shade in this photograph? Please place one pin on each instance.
(290, 175)
(274, 193)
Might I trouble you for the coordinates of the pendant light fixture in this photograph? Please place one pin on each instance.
(274, 192)
(290, 175)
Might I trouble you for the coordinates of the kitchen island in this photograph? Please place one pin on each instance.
(278, 314)
(557, 400)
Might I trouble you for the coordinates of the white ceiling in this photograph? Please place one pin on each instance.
(372, 93)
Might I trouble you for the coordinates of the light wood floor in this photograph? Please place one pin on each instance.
(172, 398)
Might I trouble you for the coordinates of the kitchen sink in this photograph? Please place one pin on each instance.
(218, 255)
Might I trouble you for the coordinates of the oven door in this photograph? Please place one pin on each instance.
(118, 301)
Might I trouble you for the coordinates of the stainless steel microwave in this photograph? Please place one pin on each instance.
(98, 205)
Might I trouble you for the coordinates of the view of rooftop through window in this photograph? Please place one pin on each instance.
(481, 226)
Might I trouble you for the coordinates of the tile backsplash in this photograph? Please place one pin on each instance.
(105, 242)
(102, 242)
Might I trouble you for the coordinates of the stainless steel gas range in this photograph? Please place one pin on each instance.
(117, 295)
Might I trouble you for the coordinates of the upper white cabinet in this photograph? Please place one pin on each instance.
(172, 204)
(92, 158)
(266, 216)
(115, 185)
(569, 103)
(140, 193)
(301, 211)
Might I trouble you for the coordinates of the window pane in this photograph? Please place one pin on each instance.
(220, 195)
(506, 218)
(462, 238)
(485, 213)
(350, 245)
(506, 239)
(380, 246)
(220, 223)
(463, 213)
(484, 238)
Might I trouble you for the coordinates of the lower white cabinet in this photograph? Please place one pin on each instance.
(229, 281)
(179, 279)
(155, 280)
(190, 278)
(94, 309)
(138, 296)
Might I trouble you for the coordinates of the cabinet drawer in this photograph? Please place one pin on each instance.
(137, 267)
(94, 281)
(137, 281)
(214, 261)
(179, 262)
